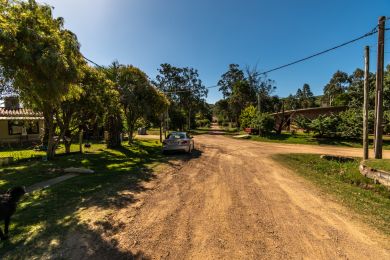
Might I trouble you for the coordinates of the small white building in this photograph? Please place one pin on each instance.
(19, 125)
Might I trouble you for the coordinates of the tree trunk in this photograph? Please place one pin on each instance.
(67, 146)
(81, 140)
(45, 137)
(161, 131)
(113, 126)
(67, 141)
(50, 143)
(130, 133)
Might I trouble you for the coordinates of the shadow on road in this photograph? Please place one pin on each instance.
(48, 222)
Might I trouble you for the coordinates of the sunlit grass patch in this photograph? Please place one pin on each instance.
(44, 217)
(379, 164)
(309, 138)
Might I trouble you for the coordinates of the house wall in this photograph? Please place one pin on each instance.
(6, 138)
(311, 114)
(3, 129)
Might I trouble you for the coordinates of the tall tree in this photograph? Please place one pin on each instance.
(241, 89)
(6, 85)
(139, 98)
(262, 89)
(336, 86)
(87, 105)
(306, 99)
(242, 96)
(291, 102)
(40, 56)
(229, 78)
(184, 90)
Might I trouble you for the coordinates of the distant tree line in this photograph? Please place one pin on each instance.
(243, 88)
(247, 94)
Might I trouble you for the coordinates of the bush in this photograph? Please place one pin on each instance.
(325, 126)
(247, 117)
(351, 123)
(264, 122)
(225, 123)
(386, 122)
(202, 123)
(303, 123)
(347, 124)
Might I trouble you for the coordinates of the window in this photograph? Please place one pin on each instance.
(15, 127)
(33, 128)
(176, 136)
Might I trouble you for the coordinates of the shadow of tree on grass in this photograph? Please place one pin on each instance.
(46, 219)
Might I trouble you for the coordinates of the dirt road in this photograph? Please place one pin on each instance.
(235, 202)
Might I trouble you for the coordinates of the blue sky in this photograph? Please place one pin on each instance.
(209, 34)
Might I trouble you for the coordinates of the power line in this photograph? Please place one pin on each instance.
(373, 31)
(186, 90)
(91, 61)
(169, 92)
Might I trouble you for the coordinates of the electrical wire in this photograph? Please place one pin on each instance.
(169, 92)
(373, 31)
(186, 90)
(91, 61)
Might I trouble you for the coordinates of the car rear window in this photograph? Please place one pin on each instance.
(177, 136)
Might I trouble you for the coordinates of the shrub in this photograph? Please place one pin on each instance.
(264, 122)
(247, 117)
(351, 123)
(325, 126)
(225, 123)
(202, 123)
(386, 122)
(303, 123)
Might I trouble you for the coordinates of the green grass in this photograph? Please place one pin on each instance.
(304, 138)
(345, 183)
(379, 164)
(26, 153)
(46, 216)
(153, 131)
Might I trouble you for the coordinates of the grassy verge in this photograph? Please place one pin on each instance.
(382, 164)
(303, 138)
(43, 218)
(346, 184)
(26, 153)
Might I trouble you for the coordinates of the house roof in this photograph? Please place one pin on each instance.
(20, 114)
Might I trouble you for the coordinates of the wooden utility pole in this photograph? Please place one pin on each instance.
(258, 108)
(365, 103)
(379, 89)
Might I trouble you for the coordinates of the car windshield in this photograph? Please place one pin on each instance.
(177, 136)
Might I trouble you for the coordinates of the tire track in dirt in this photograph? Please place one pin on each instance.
(234, 202)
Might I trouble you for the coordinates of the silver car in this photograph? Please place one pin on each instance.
(178, 141)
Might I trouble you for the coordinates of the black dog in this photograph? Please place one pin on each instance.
(8, 203)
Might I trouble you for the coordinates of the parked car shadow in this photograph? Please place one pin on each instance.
(180, 155)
